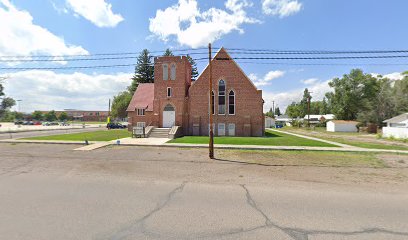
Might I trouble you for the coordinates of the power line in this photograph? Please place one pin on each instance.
(79, 67)
(321, 58)
(99, 54)
(269, 51)
(324, 64)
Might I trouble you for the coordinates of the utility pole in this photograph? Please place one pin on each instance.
(210, 107)
(273, 108)
(308, 109)
(109, 107)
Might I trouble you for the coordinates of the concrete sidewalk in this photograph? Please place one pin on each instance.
(162, 142)
(313, 138)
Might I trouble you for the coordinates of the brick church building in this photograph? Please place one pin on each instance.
(175, 100)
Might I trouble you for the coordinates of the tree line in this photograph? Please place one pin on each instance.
(144, 73)
(358, 96)
(5, 105)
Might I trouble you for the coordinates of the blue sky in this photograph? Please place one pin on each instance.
(69, 27)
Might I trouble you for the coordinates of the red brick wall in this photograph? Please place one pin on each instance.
(133, 119)
(248, 118)
(179, 88)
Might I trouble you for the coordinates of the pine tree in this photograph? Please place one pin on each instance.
(144, 71)
(168, 52)
(194, 71)
(277, 111)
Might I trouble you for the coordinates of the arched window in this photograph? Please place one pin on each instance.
(221, 97)
(231, 103)
(165, 72)
(173, 72)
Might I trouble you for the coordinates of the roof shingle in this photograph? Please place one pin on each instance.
(142, 98)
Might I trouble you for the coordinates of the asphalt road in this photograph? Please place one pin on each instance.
(46, 133)
(52, 192)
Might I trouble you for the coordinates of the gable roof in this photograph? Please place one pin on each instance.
(224, 55)
(398, 119)
(142, 98)
(345, 122)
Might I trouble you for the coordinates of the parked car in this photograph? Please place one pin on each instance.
(18, 122)
(64, 124)
(115, 126)
(37, 123)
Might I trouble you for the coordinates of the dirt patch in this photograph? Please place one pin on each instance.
(395, 160)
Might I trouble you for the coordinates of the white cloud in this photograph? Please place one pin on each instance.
(98, 12)
(281, 8)
(283, 99)
(309, 81)
(47, 90)
(20, 36)
(266, 80)
(194, 28)
(392, 76)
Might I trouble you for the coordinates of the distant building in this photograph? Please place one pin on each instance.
(285, 120)
(83, 115)
(314, 119)
(269, 122)
(342, 126)
(397, 127)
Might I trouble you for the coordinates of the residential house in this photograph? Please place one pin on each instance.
(397, 127)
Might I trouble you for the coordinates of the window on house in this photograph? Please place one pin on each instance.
(169, 93)
(231, 129)
(221, 97)
(173, 72)
(140, 124)
(231, 103)
(140, 112)
(221, 129)
(165, 72)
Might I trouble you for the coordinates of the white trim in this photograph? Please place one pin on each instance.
(235, 102)
(229, 127)
(225, 96)
(218, 129)
(140, 112)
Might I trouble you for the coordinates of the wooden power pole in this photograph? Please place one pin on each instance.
(210, 107)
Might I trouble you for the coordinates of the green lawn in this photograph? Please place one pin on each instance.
(270, 139)
(104, 135)
(303, 158)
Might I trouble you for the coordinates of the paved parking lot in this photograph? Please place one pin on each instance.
(53, 192)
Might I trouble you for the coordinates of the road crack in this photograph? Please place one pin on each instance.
(138, 227)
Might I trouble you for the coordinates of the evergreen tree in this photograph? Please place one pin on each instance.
(277, 111)
(304, 103)
(144, 71)
(168, 52)
(194, 71)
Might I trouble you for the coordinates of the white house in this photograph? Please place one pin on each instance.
(396, 127)
(318, 118)
(284, 119)
(341, 126)
(269, 122)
